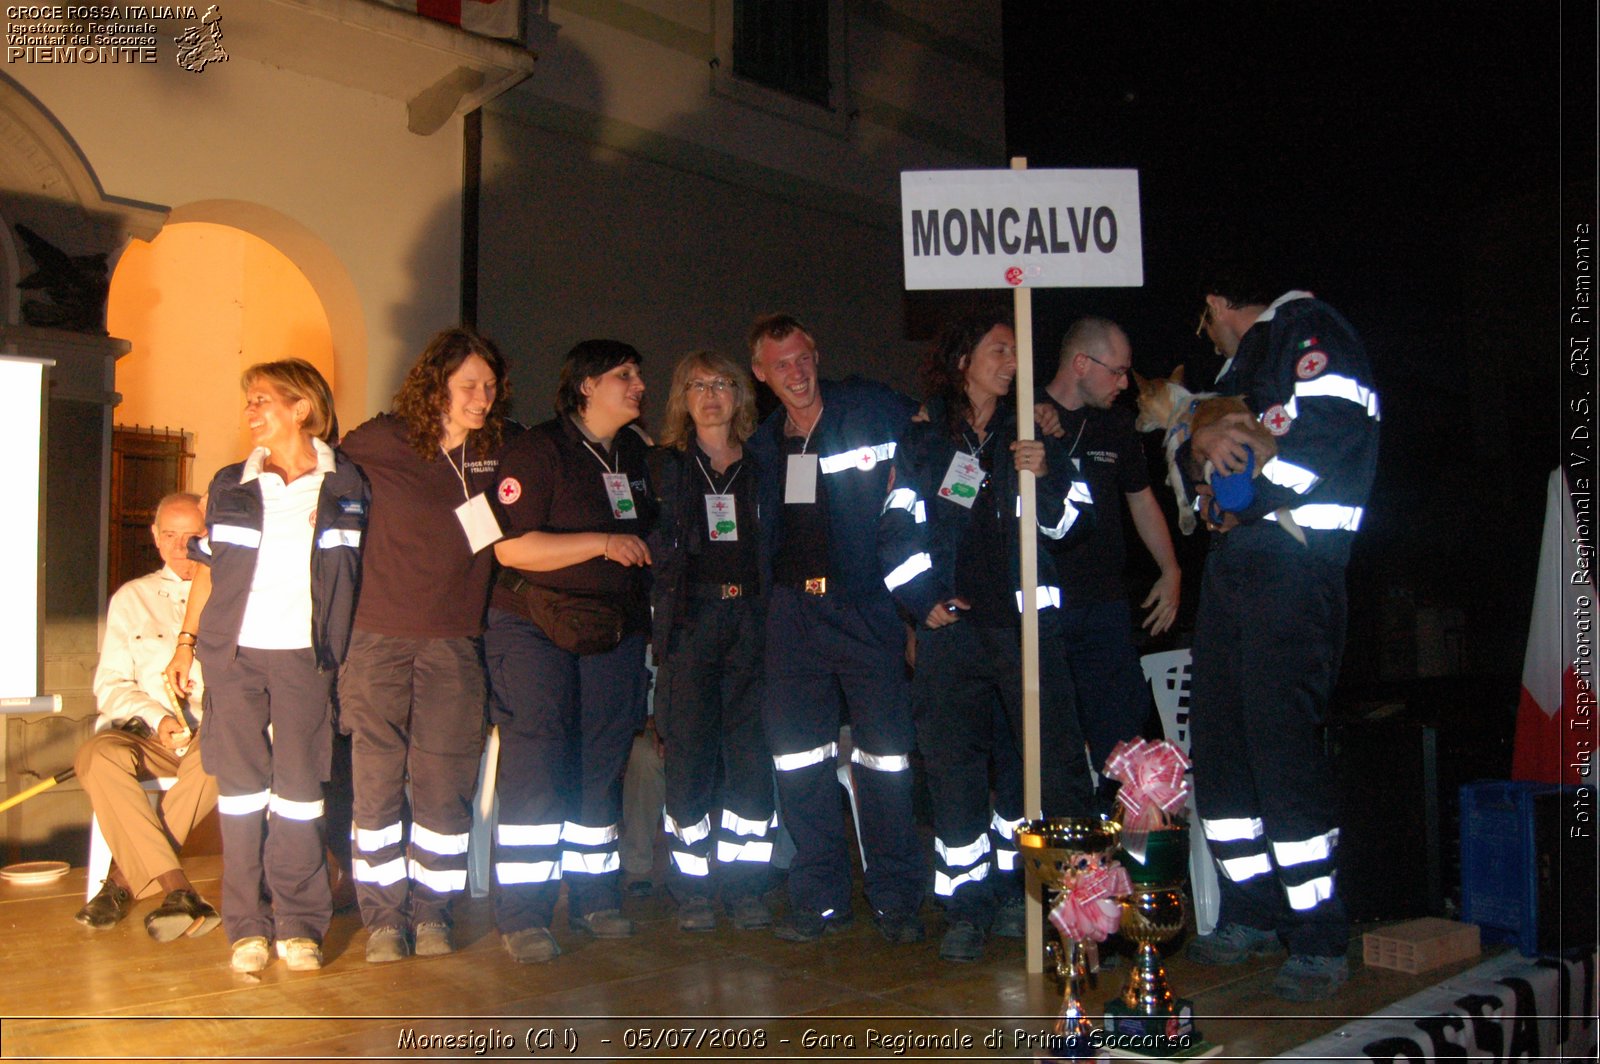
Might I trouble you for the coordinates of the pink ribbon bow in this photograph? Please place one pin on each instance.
(1153, 785)
(1088, 910)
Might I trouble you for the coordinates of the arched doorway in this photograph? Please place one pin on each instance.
(199, 304)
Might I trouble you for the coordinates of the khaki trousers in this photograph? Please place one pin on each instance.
(144, 841)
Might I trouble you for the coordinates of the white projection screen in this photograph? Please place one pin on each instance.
(21, 436)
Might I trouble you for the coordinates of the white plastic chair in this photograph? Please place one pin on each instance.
(485, 812)
(99, 850)
(1168, 676)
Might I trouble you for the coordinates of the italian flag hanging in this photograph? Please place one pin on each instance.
(1555, 740)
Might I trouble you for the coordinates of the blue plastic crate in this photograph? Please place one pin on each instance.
(1499, 860)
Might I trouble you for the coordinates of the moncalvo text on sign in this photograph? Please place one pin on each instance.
(983, 231)
(1009, 228)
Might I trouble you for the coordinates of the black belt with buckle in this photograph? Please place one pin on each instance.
(721, 592)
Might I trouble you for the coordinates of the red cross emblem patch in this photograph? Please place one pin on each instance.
(509, 491)
(1277, 419)
(867, 458)
(1311, 363)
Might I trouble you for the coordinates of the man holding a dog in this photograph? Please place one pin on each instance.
(1271, 626)
(1113, 698)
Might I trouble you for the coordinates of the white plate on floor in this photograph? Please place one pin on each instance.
(30, 873)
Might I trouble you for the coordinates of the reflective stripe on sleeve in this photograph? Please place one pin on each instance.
(908, 570)
(856, 458)
(339, 537)
(1045, 595)
(1334, 386)
(1325, 517)
(1297, 479)
(907, 500)
(237, 535)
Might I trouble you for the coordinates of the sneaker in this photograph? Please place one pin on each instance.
(962, 943)
(1011, 919)
(1233, 944)
(749, 912)
(606, 923)
(803, 925)
(901, 928)
(250, 954)
(300, 954)
(107, 908)
(385, 945)
(696, 914)
(531, 945)
(433, 939)
(182, 913)
(1307, 978)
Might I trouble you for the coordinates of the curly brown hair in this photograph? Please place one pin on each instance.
(424, 397)
(944, 370)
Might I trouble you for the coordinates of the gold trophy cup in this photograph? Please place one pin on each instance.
(1152, 913)
(1056, 851)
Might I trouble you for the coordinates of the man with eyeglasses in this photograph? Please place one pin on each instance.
(1271, 625)
(835, 641)
(1112, 696)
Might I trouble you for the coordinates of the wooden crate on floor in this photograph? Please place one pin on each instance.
(1419, 945)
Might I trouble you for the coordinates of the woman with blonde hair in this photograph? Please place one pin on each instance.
(269, 618)
(709, 619)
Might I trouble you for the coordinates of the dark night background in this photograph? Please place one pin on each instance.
(1404, 162)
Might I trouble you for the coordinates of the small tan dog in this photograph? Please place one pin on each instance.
(1166, 405)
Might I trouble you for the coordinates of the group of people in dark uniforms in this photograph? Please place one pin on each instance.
(441, 559)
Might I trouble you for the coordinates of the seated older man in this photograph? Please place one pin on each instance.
(149, 733)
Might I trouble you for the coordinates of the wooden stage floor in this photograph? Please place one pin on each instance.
(69, 993)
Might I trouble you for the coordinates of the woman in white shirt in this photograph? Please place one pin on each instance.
(269, 617)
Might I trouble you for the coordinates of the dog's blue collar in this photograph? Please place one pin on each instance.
(1194, 404)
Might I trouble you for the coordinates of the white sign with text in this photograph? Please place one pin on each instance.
(1021, 228)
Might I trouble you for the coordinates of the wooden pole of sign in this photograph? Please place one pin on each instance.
(1028, 525)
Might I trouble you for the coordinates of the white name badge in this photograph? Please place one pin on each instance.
(801, 483)
(621, 496)
(962, 480)
(478, 522)
(722, 519)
